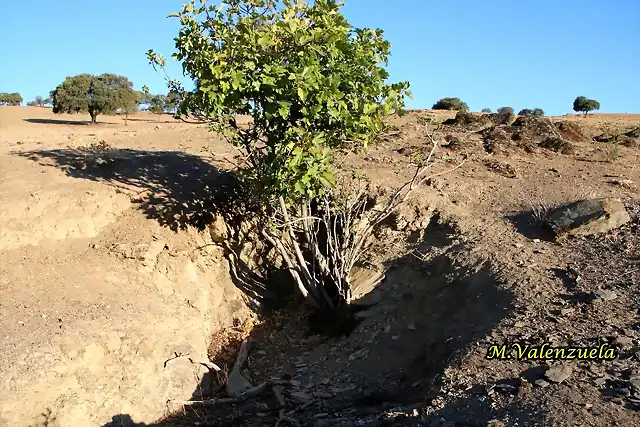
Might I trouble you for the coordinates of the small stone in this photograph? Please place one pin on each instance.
(387, 329)
(395, 337)
(605, 295)
(362, 353)
(321, 415)
(299, 395)
(600, 382)
(541, 383)
(325, 381)
(558, 373)
(412, 327)
(536, 240)
(623, 341)
(323, 395)
(588, 406)
(566, 311)
(519, 324)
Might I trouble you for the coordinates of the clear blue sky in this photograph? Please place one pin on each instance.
(492, 53)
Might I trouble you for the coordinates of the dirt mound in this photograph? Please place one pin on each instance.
(496, 140)
(571, 131)
(469, 121)
(539, 131)
(502, 118)
(558, 145)
(457, 143)
(630, 138)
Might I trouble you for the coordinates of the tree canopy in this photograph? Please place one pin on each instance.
(103, 94)
(10, 99)
(584, 105)
(536, 112)
(450, 104)
(310, 80)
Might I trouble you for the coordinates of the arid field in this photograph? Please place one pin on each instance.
(117, 306)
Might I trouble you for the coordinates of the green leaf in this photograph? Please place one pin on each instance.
(264, 41)
(302, 93)
(327, 178)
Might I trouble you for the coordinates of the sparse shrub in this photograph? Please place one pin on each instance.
(584, 105)
(103, 94)
(450, 104)
(536, 112)
(613, 153)
(486, 110)
(312, 84)
(504, 116)
(505, 110)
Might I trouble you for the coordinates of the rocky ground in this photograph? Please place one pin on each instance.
(471, 262)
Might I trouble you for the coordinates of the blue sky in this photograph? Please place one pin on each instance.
(524, 54)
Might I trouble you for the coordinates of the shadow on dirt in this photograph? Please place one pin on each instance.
(176, 189)
(432, 312)
(59, 122)
(152, 120)
(530, 227)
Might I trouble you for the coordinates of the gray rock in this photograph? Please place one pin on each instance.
(541, 383)
(237, 384)
(624, 342)
(605, 294)
(588, 217)
(558, 373)
(304, 397)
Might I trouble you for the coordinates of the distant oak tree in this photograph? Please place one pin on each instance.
(583, 105)
(12, 99)
(86, 93)
(450, 104)
(536, 112)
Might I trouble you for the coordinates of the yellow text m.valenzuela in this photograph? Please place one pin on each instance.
(546, 351)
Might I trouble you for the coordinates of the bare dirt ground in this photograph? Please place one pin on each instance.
(466, 266)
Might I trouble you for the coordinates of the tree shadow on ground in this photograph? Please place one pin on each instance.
(431, 314)
(150, 120)
(530, 227)
(176, 189)
(59, 122)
